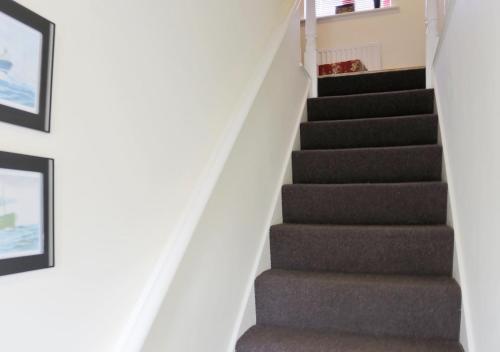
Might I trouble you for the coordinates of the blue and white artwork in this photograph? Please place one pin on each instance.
(20, 64)
(21, 213)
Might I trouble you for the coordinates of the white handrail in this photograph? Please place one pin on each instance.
(310, 53)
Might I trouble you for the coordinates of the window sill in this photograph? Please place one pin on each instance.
(348, 15)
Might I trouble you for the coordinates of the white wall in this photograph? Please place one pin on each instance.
(400, 31)
(143, 91)
(207, 300)
(468, 86)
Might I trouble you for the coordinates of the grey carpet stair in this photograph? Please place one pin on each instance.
(394, 164)
(366, 204)
(383, 81)
(279, 339)
(363, 261)
(372, 132)
(391, 305)
(405, 250)
(410, 102)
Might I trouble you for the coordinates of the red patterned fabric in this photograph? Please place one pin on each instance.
(341, 67)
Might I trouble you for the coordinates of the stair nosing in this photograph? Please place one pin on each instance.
(311, 332)
(364, 184)
(354, 226)
(374, 72)
(395, 92)
(368, 119)
(364, 278)
(434, 146)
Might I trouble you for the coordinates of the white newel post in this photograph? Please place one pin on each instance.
(310, 54)
(432, 36)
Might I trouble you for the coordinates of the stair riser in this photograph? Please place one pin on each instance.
(371, 105)
(409, 164)
(372, 309)
(373, 82)
(384, 204)
(379, 250)
(278, 339)
(376, 132)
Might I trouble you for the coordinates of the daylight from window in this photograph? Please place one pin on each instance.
(326, 8)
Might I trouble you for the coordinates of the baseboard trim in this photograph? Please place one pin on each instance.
(268, 223)
(468, 337)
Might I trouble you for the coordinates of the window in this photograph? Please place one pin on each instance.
(326, 8)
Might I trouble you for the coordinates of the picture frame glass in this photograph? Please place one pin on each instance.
(20, 65)
(21, 213)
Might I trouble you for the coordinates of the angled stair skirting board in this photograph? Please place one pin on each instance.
(143, 314)
(467, 337)
(264, 236)
(363, 260)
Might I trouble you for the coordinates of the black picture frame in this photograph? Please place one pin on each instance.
(41, 120)
(44, 166)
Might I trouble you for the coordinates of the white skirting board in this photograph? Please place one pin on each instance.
(466, 336)
(247, 316)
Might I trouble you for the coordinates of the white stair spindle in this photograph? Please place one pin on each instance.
(310, 55)
(432, 36)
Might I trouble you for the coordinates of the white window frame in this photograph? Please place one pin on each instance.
(394, 6)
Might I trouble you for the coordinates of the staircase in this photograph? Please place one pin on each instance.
(363, 261)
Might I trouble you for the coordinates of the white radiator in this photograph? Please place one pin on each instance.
(369, 54)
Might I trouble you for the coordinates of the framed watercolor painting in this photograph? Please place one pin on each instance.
(26, 60)
(26, 213)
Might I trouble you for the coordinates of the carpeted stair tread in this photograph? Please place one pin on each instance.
(371, 132)
(405, 250)
(381, 305)
(383, 81)
(363, 261)
(279, 339)
(422, 203)
(388, 164)
(410, 102)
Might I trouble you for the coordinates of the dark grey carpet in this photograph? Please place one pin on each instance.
(409, 306)
(372, 132)
(366, 204)
(385, 104)
(372, 82)
(394, 164)
(363, 261)
(278, 339)
(416, 250)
